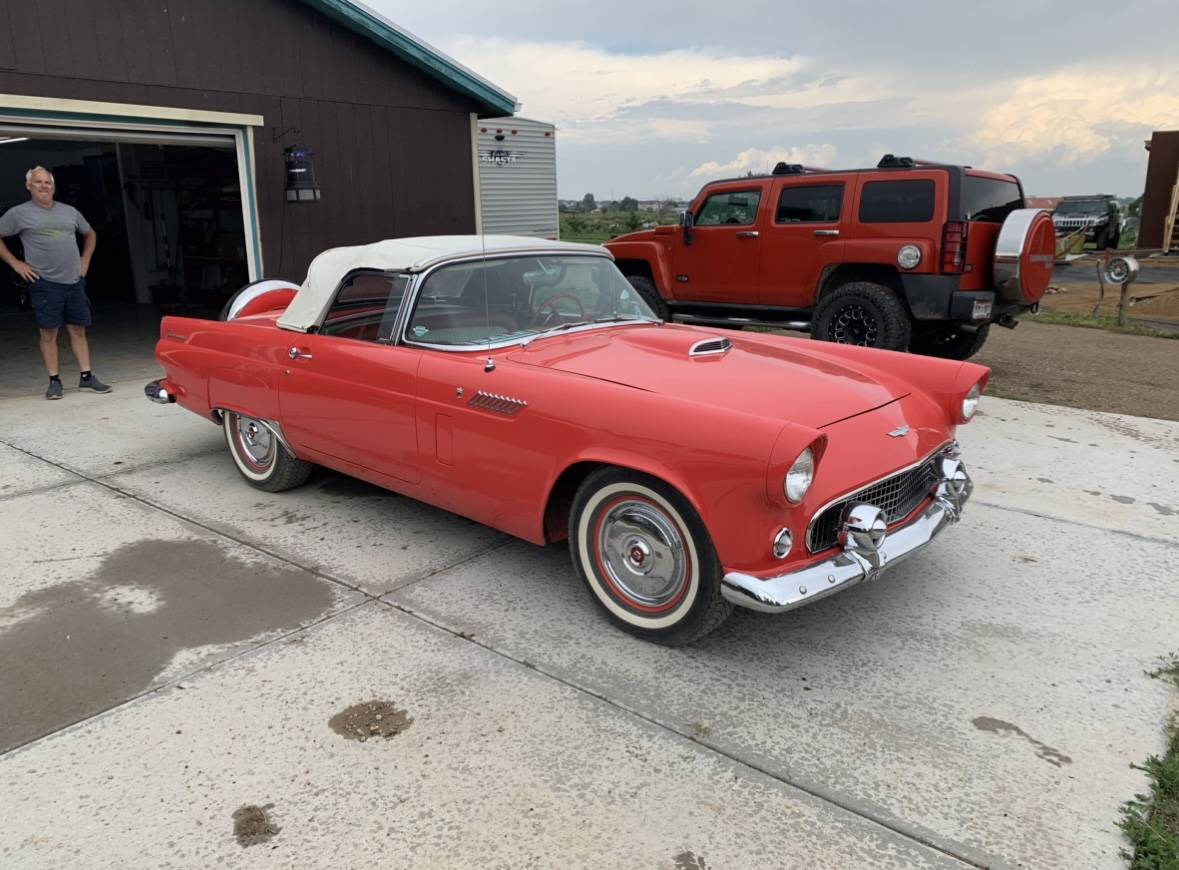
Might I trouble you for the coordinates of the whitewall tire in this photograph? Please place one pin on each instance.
(646, 557)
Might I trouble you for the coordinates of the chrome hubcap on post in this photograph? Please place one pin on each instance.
(643, 552)
(854, 325)
(257, 442)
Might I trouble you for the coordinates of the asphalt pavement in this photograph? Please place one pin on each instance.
(188, 665)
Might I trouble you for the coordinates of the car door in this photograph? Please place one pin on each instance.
(347, 391)
(721, 263)
(802, 236)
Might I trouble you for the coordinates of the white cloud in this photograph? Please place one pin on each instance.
(763, 160)
(583, 88)
(1077, 116)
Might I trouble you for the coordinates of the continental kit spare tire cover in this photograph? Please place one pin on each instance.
(1025, 253)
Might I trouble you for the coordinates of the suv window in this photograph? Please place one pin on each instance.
(989, 199)
(812, 203)
(897, 202)
(365, 307)
(729, 207)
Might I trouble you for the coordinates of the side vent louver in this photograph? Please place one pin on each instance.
(497, 404)
(710, 347)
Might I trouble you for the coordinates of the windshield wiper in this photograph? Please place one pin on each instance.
(562, 327)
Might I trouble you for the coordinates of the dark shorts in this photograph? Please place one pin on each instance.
(58, 304)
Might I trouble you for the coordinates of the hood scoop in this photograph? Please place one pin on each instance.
(710, 347)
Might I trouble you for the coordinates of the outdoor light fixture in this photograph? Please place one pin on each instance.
(301, 184)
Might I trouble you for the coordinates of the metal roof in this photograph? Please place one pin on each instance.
(417, 53)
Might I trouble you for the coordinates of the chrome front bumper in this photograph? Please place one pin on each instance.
(867, 549)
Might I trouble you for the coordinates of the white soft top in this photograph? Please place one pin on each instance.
(404, 255)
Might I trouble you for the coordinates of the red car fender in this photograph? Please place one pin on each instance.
(945, 381)
(653, 254)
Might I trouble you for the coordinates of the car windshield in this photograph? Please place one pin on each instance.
(520, 298)
(1085, 206)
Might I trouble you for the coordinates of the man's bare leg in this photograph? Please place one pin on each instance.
(79, 345)
(49, 351)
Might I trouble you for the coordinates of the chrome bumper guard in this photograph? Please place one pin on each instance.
(868, 549)
(158, 393)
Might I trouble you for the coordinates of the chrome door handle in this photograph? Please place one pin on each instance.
(747, 234)
(826, 232)
(295, 353)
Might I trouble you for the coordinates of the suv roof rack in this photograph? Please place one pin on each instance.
(891, 161)
(784, 168)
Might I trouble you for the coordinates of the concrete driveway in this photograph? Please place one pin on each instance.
(181, 660)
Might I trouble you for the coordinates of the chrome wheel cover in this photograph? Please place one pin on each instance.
(854, 324)
(643, 553)
(256, 443)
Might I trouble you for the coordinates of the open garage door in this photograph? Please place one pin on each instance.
(167, 209)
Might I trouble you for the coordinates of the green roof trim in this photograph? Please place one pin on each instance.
(360, 19)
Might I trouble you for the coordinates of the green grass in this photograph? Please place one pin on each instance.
(1101, 321)
(1151, 821)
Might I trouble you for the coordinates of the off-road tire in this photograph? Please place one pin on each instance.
(950, 342)
(646, 288)
(863, 313)
(274, 471)
(646, 557)
(1100, 238)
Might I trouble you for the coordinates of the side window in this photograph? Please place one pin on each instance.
(365, 307)
(735, 208)
(809, 204)
(897, 202)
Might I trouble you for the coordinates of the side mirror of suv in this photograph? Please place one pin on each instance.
(686, 223)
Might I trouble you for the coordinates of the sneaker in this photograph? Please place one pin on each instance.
(55, 390)
(93, 383)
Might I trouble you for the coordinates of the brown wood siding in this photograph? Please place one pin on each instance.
(1161, 172)
(392, 145)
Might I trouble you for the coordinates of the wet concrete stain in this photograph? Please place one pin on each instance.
(351, 487)
(74, 649)
(1123, 499)
(1094, 492)
(369, 720)
(1045, 480)
(1043, 750)
(1163, 509)
(688, 860)
(251, 825)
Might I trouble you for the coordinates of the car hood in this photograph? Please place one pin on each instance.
(762, 375)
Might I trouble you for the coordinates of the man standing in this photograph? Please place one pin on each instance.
(48, 231)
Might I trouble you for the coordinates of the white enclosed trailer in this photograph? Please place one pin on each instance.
(518, 177)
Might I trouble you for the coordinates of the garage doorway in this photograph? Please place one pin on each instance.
(168, 217)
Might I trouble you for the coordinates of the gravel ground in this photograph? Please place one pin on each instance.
(1085, 368)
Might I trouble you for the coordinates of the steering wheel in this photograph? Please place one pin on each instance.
(543, 318)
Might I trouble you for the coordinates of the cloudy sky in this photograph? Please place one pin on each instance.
(651, 98)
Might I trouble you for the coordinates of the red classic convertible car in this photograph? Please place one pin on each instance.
(526, 385)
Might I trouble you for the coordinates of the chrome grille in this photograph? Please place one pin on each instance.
(897, 496)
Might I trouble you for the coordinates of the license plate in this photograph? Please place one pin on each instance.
(982, 309)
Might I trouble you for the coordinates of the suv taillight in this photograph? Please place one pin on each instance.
(953, 247)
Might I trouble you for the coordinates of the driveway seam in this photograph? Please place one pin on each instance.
(929, 839)
(1147, 539)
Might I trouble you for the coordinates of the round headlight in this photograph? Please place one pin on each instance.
(908, 257)
(970, 403)
(799, 477)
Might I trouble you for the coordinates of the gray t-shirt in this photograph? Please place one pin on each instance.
(50, 238)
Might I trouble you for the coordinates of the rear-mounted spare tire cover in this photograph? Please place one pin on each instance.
(268, 294)
(1025, 253)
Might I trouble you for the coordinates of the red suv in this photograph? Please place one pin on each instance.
(909, 255)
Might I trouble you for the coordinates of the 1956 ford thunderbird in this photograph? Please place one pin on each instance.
(525, 384)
